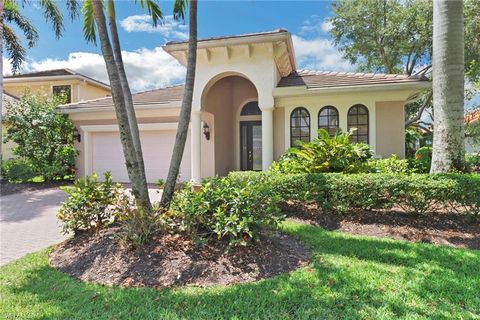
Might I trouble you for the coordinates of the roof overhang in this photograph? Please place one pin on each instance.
(107, 108)
(56, 78)
(281, 41)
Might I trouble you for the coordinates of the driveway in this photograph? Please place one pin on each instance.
(28, 221)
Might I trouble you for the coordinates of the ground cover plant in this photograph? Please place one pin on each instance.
(349, 277)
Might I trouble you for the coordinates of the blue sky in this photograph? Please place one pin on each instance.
(142, 44)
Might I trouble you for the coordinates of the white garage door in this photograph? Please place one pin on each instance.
(157, 146)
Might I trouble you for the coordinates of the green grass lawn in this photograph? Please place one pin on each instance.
(350, 277)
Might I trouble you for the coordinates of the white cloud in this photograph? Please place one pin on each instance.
(315, 25)
(319, 54)
(169, 28)
(145, 68)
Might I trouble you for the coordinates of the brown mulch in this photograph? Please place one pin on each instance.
(444, 228)
(170, 261)
(7, 188)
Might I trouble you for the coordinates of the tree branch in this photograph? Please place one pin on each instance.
(419, 114)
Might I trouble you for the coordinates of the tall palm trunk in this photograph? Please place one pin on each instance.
(127, 94)
(139, 188)
(184, 119)
(448, 86)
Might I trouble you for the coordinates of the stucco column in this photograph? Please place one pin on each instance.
(267, 137)
(196, 146)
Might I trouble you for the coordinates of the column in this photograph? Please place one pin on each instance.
(267, 137)
(196, 138)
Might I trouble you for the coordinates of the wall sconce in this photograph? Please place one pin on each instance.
(76, 135)
(206, 131)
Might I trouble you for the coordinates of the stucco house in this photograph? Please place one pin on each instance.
(73, 85)
(250, 104)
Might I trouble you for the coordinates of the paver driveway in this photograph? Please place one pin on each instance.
(28, 222)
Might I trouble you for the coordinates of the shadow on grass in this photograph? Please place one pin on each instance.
(349, 277)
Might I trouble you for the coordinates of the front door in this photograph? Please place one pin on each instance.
(251, 145)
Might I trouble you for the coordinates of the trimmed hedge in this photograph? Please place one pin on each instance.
(343, 192)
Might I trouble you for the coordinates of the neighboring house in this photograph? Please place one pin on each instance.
(250, 104)
(73, 86)
(471, 118)
(7, 147)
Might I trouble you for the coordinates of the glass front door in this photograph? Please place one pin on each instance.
(251, 145)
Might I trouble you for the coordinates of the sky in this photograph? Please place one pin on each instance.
(148, 66)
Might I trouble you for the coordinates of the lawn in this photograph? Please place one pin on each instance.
(350, 277)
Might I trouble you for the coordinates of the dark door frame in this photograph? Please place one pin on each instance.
(249, 142)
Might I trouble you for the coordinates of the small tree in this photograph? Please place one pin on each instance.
(43, 136)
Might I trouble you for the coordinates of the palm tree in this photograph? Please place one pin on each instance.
(448, 86)
(184, 119)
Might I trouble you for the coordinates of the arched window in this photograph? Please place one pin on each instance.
(328, 119)
(358, 118)
(299, 125)
(251, 109)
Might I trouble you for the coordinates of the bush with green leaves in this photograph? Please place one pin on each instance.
(43, 136)
(226, 208)
(325, 154)
(91, 204)
(423, 160)
(473, 161)
(391, 165)
(419, 193)
(17, 170)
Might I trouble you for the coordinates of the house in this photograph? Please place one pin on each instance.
(72, 85)
(472, 118)
(250, 104)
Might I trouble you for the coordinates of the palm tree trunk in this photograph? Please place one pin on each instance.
(448, 86)
(127, 94)
(139, 190)
(184, 118)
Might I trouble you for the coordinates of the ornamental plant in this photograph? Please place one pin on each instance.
(423, 160)
(43, 137)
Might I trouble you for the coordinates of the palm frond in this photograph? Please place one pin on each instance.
(153, 10)
(88, 22)
(14, 48)
(73, 8)
(180, 9)
(12, 14)
(52, 13)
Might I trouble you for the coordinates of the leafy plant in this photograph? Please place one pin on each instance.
(227, 208)
(473, 161)
(423, 160)
(391, 165)
(325, 154)
(91, 205)
(43, 136)
(17, 170)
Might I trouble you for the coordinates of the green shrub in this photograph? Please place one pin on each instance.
(17, 170)
(43, 136)
(473, 161)
(325, 154)
(391, 165)
(343, 192)
(423, 160)
(231, 208)
(91, 204)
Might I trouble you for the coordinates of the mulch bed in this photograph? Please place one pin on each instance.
(171, 261)
(444, 228)
(7, 188)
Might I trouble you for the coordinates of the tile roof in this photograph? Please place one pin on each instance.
(53, 73)
(322, 79)
(157, 96)
(244, 35)
(472, 116)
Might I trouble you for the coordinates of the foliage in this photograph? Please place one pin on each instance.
(17, 170)
(160, 183)
(137, 226)
(391, 165)
(325, 154)
(420, 193)
(350, 277)
(43, 136)
(472, 131)
(91, 204)
(423, 160)
(473, 161)
(227, 208)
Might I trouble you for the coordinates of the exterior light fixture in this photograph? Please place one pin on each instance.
(76, 135)
(206, 131)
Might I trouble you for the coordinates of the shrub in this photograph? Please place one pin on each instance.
(43, 136)
(391, 165)
(231, 208)
(343, 192)
(325, 154)
(423, 160)
(91, 204)
(17, 170)
(473, 161)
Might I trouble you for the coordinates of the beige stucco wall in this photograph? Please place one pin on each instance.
(390, 128)
(81, 90)
(278, 132)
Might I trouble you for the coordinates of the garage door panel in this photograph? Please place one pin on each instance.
(157, 147)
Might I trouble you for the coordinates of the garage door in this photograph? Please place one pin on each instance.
(157, 146)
